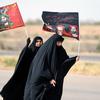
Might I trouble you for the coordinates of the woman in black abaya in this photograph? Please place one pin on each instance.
(63, 66)
(14, 88)
(47, 71)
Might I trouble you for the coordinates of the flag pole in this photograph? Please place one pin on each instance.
(26, 32)
(79, 42)
(78, 48)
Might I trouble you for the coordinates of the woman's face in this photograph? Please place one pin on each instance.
(38, 43)
(59, 43)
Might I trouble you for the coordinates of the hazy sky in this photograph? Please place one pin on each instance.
(32, 9)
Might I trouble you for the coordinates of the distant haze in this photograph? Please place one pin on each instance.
(32, 9)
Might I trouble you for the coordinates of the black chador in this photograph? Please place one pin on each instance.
(14, 88)
(51, 62)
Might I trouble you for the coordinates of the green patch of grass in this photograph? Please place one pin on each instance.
(88, 68)
(10, 62)
(81, 67)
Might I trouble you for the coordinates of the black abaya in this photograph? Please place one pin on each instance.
(14, 88)
(63, 66)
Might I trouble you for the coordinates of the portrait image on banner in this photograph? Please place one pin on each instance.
(10, 17)
(68, 21)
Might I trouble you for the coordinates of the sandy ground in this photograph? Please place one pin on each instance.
(76, 87)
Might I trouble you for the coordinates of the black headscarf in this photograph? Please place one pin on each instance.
(32, 45)
(14, 88)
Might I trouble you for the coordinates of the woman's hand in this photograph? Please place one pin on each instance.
(28, 40)
(53, 82)
(77, 58)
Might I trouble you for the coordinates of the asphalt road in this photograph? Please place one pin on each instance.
(82, 57)
(76, 87)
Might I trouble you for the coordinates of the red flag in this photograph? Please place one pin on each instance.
(10, 17)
